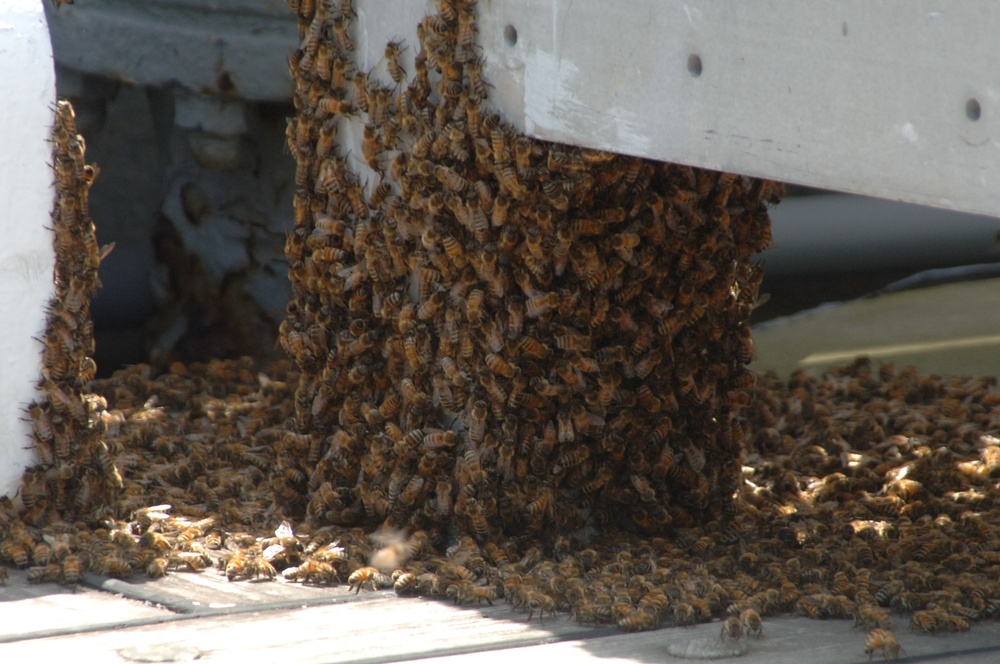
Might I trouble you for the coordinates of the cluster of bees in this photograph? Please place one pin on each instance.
(75, 469)
(502, 336)
(866, 495)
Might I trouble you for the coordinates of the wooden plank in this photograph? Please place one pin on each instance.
(788, 640)
(380, 629)
(37, 609)
(210, 591)
(388, 629)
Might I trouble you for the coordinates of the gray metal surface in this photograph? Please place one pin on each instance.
(233, 47)
(894, 99)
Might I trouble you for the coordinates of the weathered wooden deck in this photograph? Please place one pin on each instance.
(202, 616)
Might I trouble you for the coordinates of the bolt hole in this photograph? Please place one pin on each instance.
(510, 35)
(694, 65)
(973, 110)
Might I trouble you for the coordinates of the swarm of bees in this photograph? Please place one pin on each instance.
(505, 336)
(867, 495)
(75, 469)
(477, 376)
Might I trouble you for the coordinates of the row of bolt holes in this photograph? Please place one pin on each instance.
(973, 110)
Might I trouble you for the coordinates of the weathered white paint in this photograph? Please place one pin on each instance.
(28, 90)
(855, 96)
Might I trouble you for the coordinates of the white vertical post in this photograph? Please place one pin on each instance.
(28, 88)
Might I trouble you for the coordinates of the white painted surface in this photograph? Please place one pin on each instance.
(891, 99)
(28, 90)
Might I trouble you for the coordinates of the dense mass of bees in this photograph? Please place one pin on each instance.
(75, 469)
(506, 336)
(862, 494)
(866, 495)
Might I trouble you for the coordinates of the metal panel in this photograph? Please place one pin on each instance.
(896, 99)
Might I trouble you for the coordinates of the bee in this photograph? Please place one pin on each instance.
(430, 307)
(340, 27)
(637, 620)
(731, 628)
(540, 602)
(41, 554)
(16, 552)
(477, 422)
(392, 52)
(500, 366)
(751, 623)
(71, 569)
(478, 87)
(924, 621)
(541, 304)
(338, 73)
(882, 640)
(642, 486)
(51, 573)
(473, 306)
(317, 571)
(328, 105)
(684, 614)
(450, 179)
(477, 517)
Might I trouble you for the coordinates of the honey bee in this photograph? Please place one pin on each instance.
(477, 422)
(882, 640)
(637, 620)
(541, 304)
(340, 27)
(684, 614)
(731, 628)
(473, 510)
(473, 306)
(751, 623)
(500, 366)
(466, 32)
(15, 552)
(71, 569)
(328, 105)
(540, 602)
(317, 571)
(51, 573)
(450, 179)
(392, 52)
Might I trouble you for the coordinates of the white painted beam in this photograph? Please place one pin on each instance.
(28, 89)
(896, 99)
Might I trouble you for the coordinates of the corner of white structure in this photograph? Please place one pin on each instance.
(26, 196)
